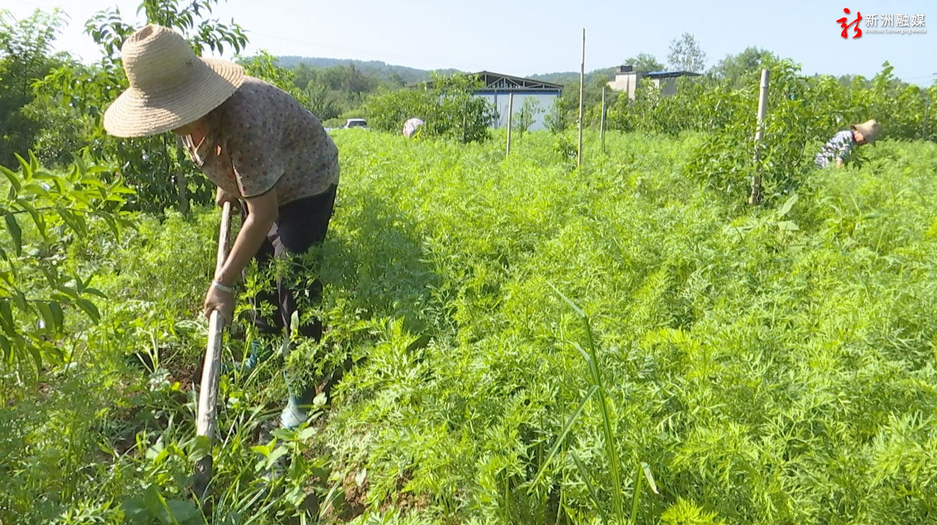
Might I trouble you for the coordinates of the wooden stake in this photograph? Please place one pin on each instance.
(510, 119)
(602, 125)
(582, 80)
(756, 196)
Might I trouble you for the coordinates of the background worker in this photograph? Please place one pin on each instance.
(839, 148)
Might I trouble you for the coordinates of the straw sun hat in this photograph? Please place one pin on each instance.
(869, 130)
(169, 85)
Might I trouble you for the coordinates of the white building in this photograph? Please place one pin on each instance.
(626, 79)
(498, 89)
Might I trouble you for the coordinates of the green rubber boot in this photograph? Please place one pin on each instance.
(298, 405)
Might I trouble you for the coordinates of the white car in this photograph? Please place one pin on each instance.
(356, 123)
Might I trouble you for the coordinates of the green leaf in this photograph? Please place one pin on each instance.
(37, 357)
(27, 172)
(38, 219)
(69, 293)
(95, 291)
(650, 477)
(307, 433)
(786, 207)
(14, 228)
(33, 162)
(48, 319)
(182, 511)
(74, 221)
(134, 510)
(19, 301)
(58, 316)
(7, 348)
(199, 448)
(12, 177)
(156, 505)
(6, 317)
(89, 308)
(111, 224)
(37, 189)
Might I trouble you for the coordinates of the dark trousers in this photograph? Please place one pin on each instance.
(300, 225)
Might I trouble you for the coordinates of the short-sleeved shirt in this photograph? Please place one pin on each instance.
(410, 126)
(263, 139)
(839, 147)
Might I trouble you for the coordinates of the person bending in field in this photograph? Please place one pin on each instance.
(262, 149)
(839, 148)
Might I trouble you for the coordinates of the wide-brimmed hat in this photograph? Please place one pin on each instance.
(869, 130)
(169, 85)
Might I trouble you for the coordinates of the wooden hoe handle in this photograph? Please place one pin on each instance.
(211, 370)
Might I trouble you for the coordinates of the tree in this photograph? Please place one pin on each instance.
(644, 62)
(154, 166)
(526, 117)
(42, 212)
(448, 107)
(320, 102)
(557, 118)
(25, 56)
(745, 67)
(686, 55)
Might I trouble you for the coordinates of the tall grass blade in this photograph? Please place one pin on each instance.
(588, 482)
(562, 437)
(636, 497)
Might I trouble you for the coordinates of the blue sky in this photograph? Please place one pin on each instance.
(523, 37)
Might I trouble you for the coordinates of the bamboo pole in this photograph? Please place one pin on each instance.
(756, 196)
(602, 126)
(582, 81)
(510, 119)
(211, 370)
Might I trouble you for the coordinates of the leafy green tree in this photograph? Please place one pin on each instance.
(388, 110)
(644, 62)
(743, 69)
(321, 102)
(556, 120)
(527, 115)
(264, 66)
(448, 107)
(25, 56)
(459, 113)
(155, 166)
(42, 211)
(686, 55)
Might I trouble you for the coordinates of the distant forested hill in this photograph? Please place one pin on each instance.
(572, 77)
(409, 75)
(375, 68)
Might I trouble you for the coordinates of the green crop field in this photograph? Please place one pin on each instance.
(514, 340)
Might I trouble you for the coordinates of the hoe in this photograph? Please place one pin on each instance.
(208, 392)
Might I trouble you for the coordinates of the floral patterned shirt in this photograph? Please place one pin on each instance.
(839, 147)
(262, 139)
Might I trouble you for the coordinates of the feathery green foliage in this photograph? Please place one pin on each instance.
(757, 365)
